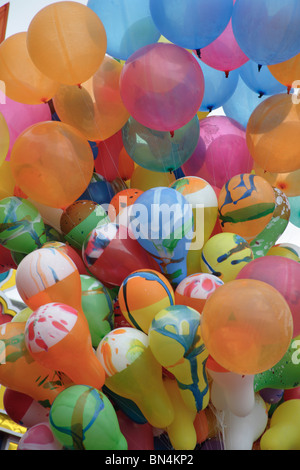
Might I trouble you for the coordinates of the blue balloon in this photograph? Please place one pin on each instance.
(192, 24)
(295, 210)
(128, 25)
(267, 31)
(99, 190)
(260, 80)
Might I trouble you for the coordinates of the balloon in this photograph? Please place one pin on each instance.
(287, 250)
(44, 172)
(246, 205)
(22, 228)
(283, 432)
(142, 295)
(99, 190)
(271, 396)
(291, 394)
(176, 342)
(70, 252)
(133, 373)
(39, 437)
(289, 183)
(6, 260)
(97, 307)
(162, 104)
(138, 436)
(24, 82)
(159, 150)
(128, 26)
(201, 426)
(4, 139)
(194, 290)
(191, 25)
(95, 108)
(143, 179)
(295, 210)
(23, 315)
(221, 152)
(57, 336)
(23, 409)
(67, 42)
(162, 223)
(272, 134)
(224, 255)
(84, 419)
(121, 202)
(79, 219)
(260, 80)
(241, 319)
(7, 182)
(284, 275)
(267, 31)
(287, 72)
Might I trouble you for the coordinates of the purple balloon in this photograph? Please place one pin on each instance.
(271, 396)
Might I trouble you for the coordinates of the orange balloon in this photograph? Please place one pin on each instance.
(52, 163)
(24, 82)
(287, 72)
(288, 183)
(247, 326)
(67, 42)
(126, 165)
(273, 134)
(95, 108)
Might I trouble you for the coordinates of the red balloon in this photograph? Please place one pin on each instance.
(6, 260)
(138, 436)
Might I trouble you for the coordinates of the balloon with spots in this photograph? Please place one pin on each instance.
(194, 290)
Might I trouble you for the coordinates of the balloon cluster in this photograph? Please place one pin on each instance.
(162, 311)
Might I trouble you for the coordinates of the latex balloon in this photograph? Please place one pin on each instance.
(295, 210)
(69, 251)
(99, 190)
(160, 150)
(95, 108)
(122, 201)
(224, 255)
(142, 295)
(264, 43)
(283, 432)
(39, 437)
(44, 173)
(21, 226)
(176, 342)
(284, 275)
(7, 182)
(67, 43)
(6, 260)
(23, 409)
(162, 223)
(133, 372)
(271, 396)
(58, 337)
(287, 72)
(291, 394)
(194, 290)
(221, 152)
(235, 332)
(193, 25)
(287, 250)
(23, 315)
(24, 82)
(144, 179)
(164, 104)
(260, 80)
(128, 26)
(246, 205)
(288, 183)
(84, 419)
(5, 138)
(138, 436)
(271, 134)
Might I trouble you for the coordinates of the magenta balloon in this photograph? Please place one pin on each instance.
(221, 152)
(281, 273)
(162, 86)
(19, 117)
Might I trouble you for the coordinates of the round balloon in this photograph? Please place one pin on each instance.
(288, 183)
(260, 80)
(287, 72)
(287, 250)
(195, 289)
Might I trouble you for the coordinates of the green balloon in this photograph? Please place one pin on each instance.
(97, 307)
(22, 228)
(83, 418)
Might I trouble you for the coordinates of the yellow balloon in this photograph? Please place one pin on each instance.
(284, 432)
(7, 181)
(23, 315)
(286, 250)
(145, 179)
(67, 42)
(24, 82)
(4, 138)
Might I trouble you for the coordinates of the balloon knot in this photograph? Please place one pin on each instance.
(259, 67)
(227, 74)
(198, 52)
(289, 89)
(172, 134)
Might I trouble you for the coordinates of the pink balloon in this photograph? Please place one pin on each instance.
(221, 152)
(39, 437)
(19, 117)
(23, 409)
(162, 86)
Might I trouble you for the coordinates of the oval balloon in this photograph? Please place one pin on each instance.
(260, 80)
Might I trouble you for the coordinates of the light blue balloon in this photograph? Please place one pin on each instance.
(192, 24)
(260, 80)
(267, 31)
(295, 210)
(128, 25)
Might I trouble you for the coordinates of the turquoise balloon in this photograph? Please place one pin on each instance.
(295, 210)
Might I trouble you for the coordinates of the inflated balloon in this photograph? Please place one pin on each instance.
(283, 433)
(260, 80)
(246, 205)
(267, 31)
(21, 226)
(272, 134)
(23, 315)
(295, 210)
(99, 190)
(176, 342)
(23, 409)
(201, 426)
(107, 161)
(221, 152)
(142, 295)
(7, 182)
(133, 372)
(84, 419)
(126, 165)
(162, 104)
(24, 82)
(95, 108)
(69, 251)
(7, 261)
(288, 183)
(138, 436)
(79, 219)
(44, 172)
(58, 337)
(122, 201)
(4, 139)
(287, 250)
(287, 72)
(75, 49)
(144, 179)
(39, 437)
(194, 290)
(284, 275)
(128, 26)
(162, 223)
(191, 25)
(224, 255)
(160, 150)
(246, 326)
(271, 395)
(291, 394)
(97, 307)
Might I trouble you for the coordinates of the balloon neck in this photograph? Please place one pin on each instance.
(210, 108)
(261, 94)
(226, 73)
(259, 67)
(289, 89)
(172, 133)
(198, 52)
